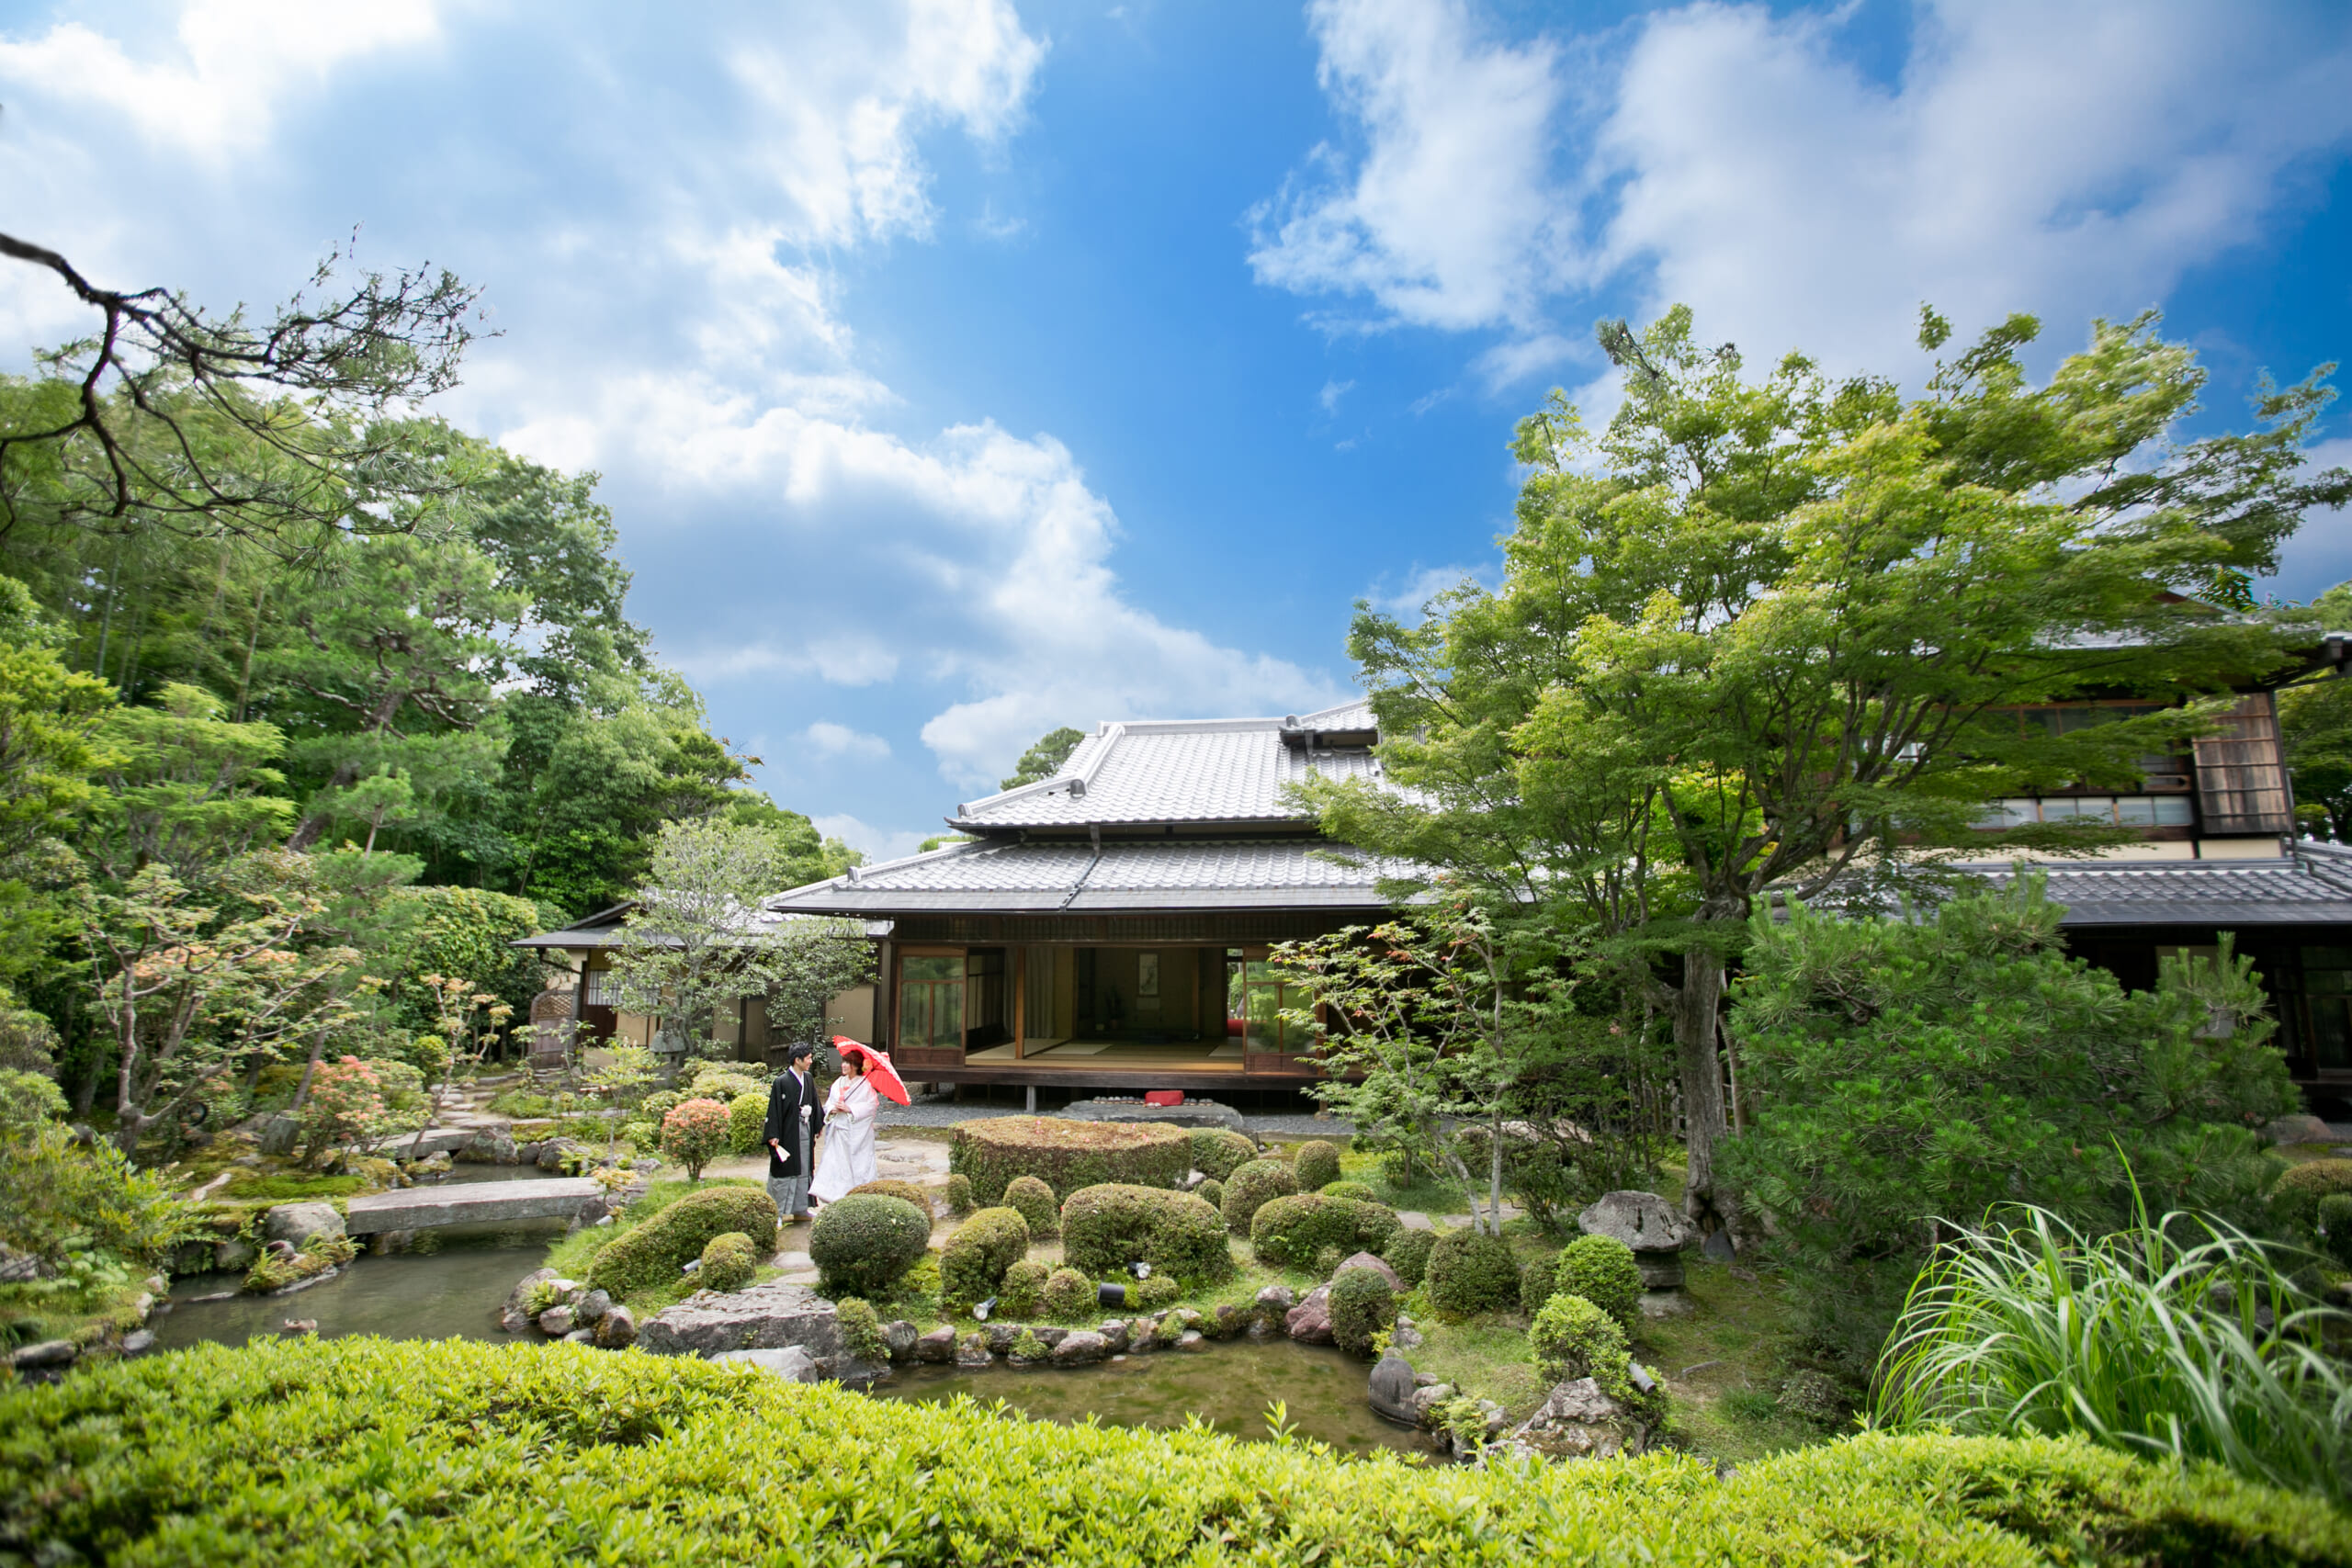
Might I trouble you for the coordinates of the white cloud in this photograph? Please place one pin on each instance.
(215, 94)
(1424, 583)
(1447, 219)
(1332, 393)
(874, 843)
(2319, 556)
(2070, 161)
(832, 739)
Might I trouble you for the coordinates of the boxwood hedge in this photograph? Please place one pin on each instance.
(311, 1453)
(1218, 1152)
(886, 1188)
(1067, 1155)
(1253, 1185)
(862, 1243)
(972, 1264)
(1107, 1227)
(1293, 1231)
(654, 1252)
(1038, 1205)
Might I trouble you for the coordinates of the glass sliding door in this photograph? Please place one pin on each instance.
(930, 1001)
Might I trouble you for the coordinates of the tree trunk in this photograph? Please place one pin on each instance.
(1695, 1005)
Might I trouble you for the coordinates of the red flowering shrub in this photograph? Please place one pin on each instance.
(694, 1133)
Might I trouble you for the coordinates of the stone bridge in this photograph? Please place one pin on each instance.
(475, 1203)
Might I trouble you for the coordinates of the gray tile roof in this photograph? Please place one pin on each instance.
(1227, 769)
(1149, 874)
(2305, 889)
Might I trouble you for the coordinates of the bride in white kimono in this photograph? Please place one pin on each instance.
(847, 1158)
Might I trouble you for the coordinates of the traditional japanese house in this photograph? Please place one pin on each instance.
(1108, 928)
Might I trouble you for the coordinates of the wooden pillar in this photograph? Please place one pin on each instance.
(1020, 998)
(886, 1006)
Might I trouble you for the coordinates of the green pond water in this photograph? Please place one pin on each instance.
(457, 1291)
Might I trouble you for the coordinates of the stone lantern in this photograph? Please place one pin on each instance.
(1653, 1228)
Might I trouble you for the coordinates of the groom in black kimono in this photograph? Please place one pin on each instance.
(794, 1119)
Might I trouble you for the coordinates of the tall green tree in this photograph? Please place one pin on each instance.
(1755, 634)
(1045, 756)
(2315, 726)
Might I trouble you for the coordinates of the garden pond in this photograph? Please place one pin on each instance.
(457, 1290)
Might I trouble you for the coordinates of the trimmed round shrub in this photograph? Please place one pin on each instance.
(1218, 1151)
(2334, 1228)
(1355, 1189)
(1038, 1205)
(1067, 1155)
(1067, 1296)
(1601, 1269)
(960, 1193)
(862, 1244)
(2294, 1198)
(1538, 1282)
(694, 1133)
(1158, 1291)
(1107, 1227)
(1362, 1306)
(860, 1328)
(1470, 1272)
(653, 1253)
(747, 1117)
(727, 1263)
(972, 1264)
(1316, 1164)
(1210, 1192)
(655, 1106)
(906, 1191)
(726, 1080)
(1252, 1187)
(1407, 1252)
(1023, 1288)
(1292, 1232)
(1573, 1338)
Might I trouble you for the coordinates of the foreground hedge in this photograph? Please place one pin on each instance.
(291, 1454)
(1067, 1155)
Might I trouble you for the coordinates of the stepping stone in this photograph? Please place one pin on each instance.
(1414, 1220)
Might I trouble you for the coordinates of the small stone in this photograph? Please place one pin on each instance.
(138, 1342)
(591, 1306)
(972, 1350)
(1309, 1322)
(1113, 1331)
(1001, 1336)
(556, 1322)
(1081, 1348)
(900, 1335)
(1230, 1320)
(1390, 1388)
(1050, 1337)
(1377, 1265)
(1425, 1402)
(2301, 1128)
(1405, 1337)
(1276, 1300)
(297, 1327)
(48, 1353)
(295, 1224)
(938, 1346)
(580, 1336)
(1424, 1379)
(1191, 1339)
(616, 1330)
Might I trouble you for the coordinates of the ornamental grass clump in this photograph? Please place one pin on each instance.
(862, 1244)
(729, 1263)
(1218, 1151)
(694, 1133)
(286, 1452)
(1067, 1155)
(1316, 1164)
(1252, 1187)
(972, 1264)
(2150, 1340)
(653, 1252)
(1471, 1272)
(1035, 1200)
(1601, 1269)
(1106, 1228)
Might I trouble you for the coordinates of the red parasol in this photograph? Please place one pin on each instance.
(878, 1070)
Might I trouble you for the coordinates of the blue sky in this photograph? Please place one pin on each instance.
(958, 368)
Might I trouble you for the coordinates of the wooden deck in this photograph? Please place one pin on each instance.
(1120, 1064)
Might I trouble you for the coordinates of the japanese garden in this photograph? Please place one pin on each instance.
(1809, 1020)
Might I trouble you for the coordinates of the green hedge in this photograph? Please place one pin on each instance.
(1038, 1205)
(1218, 1151)
(654, 1253)
(1023, 1289)
(729, 1263)
(318, 1454)
(1107, 1227)
(1292, 1232)
(1317, 1164)
(1601, 1269)
(2295, 1198)
(1252, 1187)
(972, 1264)
(1470, 1272)
(1362, 1306)
(1407, 1252)
(1067, 1155)
(863, 1243)
(747, 1118)
(886, 1188)
(1067, 1296)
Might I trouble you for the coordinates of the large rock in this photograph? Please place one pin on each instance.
(791, 1363)
(1376, 1264)
(972, 1352)
(295, 1224)
(1309, 1322)
(1425, 1400)
(1391, 1389)
(557, 1322)
(900, 1335)
(772, 1316)
(490, 1146)
(1079, 1348)
(1643, 1221)
(1275, 1300)
(591, 1306)
(616, 1330)
(2298, 1129)
(1115, 1335)
(1191, 1113)
(49, 1353)
(1579, 1421)
(938, 1346)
